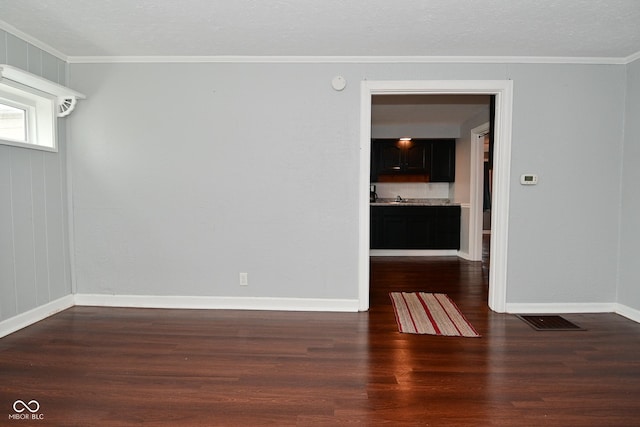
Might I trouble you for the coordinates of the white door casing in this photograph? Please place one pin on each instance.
(503, 91)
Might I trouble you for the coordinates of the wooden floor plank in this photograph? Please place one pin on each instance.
(118, 366)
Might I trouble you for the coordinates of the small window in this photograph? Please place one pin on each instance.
(13, 122)
(27, 117)
(29, 108)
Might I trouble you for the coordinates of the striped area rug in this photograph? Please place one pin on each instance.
(427, 313)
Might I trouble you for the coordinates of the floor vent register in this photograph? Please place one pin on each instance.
(550, 323)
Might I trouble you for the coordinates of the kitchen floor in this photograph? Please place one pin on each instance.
(466, 282)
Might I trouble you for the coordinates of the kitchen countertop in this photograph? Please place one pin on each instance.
(414, 202)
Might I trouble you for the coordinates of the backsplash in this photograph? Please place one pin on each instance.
(413, 190)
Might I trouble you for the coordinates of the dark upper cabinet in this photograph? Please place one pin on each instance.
(399, 157)
(419, 160)
(443, 161)
(389, 157)
(417, 157)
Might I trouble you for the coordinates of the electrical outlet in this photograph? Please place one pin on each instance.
(244, 279)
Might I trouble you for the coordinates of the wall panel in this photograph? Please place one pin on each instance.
(34, 248)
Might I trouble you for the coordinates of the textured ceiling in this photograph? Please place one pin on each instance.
(523, 28)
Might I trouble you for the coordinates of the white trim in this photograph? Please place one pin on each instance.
(37, 314)
(629, 59)
(476, 191)
(498, 263)
(540, 308)
(30, 317)
(219, 303)
(363, 201)
(77, 59)
(503, 91)
(64, 98)
(40, 119)
(628, 312)
(349, 59)
(32, 40)
(31, 80)
(413, 252)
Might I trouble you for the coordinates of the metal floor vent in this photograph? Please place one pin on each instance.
(550, 323)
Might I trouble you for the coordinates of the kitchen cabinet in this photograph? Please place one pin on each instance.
(419, 160)
(404, 157)
(415, 227)
(443, 161)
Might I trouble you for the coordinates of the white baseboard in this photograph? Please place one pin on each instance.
(628, 312)
(228, 303)
(30, 317)
(561, 308)
(623, 310)
(37, 314)
(413, 252)
(467, 256)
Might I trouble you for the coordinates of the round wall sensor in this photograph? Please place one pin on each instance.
(338, 83)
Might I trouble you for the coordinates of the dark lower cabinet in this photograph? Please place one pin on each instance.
(415, 227)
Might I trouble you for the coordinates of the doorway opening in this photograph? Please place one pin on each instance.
(502, 94)
(481, 188)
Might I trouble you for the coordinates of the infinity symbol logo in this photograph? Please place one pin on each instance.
(28, 406)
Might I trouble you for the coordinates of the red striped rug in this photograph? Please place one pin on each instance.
(427, 313)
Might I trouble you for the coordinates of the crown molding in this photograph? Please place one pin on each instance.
(629, 59)
(32, 40)
(349, 59)
(316, 59)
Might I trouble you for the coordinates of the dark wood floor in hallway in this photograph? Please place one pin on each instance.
(118, 367)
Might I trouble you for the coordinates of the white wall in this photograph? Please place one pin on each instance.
(629, 287)
(263, 177)
(34, 254)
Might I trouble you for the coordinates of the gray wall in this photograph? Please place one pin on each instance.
(629, 293)
(187, 174)
(34, 254)
(563, 238)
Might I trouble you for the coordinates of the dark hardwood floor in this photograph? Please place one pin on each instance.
(118, 367)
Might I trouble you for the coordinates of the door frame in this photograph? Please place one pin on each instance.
(503, 91)
(477, 191)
